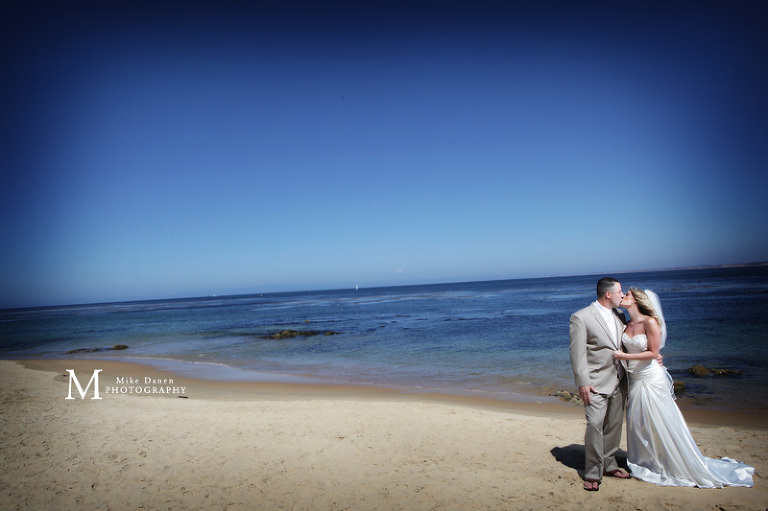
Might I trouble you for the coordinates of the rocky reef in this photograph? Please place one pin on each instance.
(573, 397)
(93, 350)
(288, 334)
(701, 371)
(570, 397)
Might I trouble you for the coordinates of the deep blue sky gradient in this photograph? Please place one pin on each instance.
(171, 149)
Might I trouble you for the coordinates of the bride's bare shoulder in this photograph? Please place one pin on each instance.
(651, 327)
(651, 322)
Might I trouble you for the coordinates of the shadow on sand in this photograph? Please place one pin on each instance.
(573, 456)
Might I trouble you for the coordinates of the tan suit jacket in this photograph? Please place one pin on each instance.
(592, 347)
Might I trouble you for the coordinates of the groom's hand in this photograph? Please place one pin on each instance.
(586, 394)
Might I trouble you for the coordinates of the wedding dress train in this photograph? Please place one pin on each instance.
(660, 447)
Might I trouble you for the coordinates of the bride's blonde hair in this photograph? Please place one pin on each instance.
(644, 305)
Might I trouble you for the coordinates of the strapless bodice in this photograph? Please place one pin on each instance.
(636, 344)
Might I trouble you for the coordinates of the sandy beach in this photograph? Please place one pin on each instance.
(246, 445)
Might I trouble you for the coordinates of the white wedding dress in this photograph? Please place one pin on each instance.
(660, 448)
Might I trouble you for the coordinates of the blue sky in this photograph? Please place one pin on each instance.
(222, 148)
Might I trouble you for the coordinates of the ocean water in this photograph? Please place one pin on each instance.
(505, 339)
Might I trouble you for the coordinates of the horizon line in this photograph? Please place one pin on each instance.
(203, 297)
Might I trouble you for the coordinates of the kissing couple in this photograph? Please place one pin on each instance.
(618, 366)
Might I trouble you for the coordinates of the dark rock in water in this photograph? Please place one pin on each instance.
(83, 350)
(697, 371)
(725, 372)
(679, 387)
(567, 396)
(700, 370)
(288, 334)
(94, 350)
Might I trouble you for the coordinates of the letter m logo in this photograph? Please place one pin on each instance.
(94, 380)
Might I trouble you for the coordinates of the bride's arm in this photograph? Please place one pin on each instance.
(653, 333)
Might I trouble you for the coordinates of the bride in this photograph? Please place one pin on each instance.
(660, 449)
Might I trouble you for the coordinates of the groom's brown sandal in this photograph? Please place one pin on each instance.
(618, 473)
(591, 484)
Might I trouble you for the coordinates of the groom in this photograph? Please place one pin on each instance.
(595, 333)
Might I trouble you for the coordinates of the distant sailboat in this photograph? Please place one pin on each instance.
(357, 287)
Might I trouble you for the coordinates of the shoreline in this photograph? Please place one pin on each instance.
(245, 446)
(238, 389)
(258, 390)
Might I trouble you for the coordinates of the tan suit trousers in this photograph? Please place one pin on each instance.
(605, 416)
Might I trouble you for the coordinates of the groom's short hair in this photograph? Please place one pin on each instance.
(604, 285)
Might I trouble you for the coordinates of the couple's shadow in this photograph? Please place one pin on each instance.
(573, 456)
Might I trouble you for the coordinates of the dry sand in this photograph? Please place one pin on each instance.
(250, 446)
